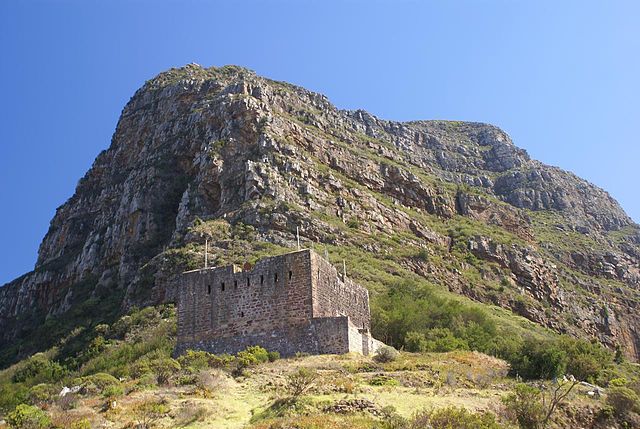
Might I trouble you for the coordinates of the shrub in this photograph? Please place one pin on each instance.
(101, 329)
(209, 382)
(618, 382)
(68, 401)
(65, 420)
(260, 354)
(415, 342)
(585, 360)
(243, 361)
(164, 369)
(423, 255)
(383, 380)
(96, 383)
(101, 380)
(386, 354)
(391, 419)
(444, 340)
(187, 379)
(623, 400)
(97, 346)
(300, 381)
(147, 380)
(274, 356)
(409, 306)
(606, 413)
(221, 361)
(196, 359)
(81, 424)
(249, 357)
(39, 369)
(12, 395)
(533, 408)
(140, 368)
(147, 413)
(413, 316)
(525, 406)
(452, 417)
(538, 359)
(28, 417)
(353, 223)
(618, 356)
(190, 414)
(113, 391)
(552, 358)
(42, 394)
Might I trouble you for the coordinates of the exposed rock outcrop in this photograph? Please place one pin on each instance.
(196, 143)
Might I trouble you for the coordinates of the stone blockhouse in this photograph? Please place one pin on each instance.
(297, 302)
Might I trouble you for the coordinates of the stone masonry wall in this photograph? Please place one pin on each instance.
(291, 303)
(335, 296)
(228, 302)
(318, 336)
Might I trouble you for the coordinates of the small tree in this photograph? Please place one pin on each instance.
(554, 398)
(524, 406)
(532, 407)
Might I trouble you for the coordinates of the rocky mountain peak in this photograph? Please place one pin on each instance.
(225, 145)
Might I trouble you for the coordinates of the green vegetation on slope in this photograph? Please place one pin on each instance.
(127, 376)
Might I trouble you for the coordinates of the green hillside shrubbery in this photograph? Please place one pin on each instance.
(414, 317)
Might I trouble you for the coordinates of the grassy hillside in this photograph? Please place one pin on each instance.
(124, 376)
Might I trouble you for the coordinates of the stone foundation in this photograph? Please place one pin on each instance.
(325, 335)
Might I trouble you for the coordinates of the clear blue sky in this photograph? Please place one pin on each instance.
(561, 77)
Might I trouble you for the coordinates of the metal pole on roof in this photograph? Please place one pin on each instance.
(298, 236)
(206, 252)
(344, 270)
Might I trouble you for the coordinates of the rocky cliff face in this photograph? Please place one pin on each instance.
(197, 144)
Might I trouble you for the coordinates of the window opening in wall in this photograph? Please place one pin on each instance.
(242, 314)
(261, 279)
(235, 284)
(290, 274)
(222, 286)
(275, 277)
(209, 289)
(248, 282)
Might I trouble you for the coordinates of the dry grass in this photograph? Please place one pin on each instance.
(463, 379)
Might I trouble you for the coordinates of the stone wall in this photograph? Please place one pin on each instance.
(317, 336)
(291, 303)
(334, 295)
(229, 302)
(324, 335)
